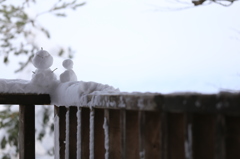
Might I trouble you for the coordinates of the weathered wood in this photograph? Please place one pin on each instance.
(26, 131)
(202, 103)
(79, 133)
(115, 135)
(152, 135)
(91, 133)
(203, 136)
(182, 102)
(232, 137)
(25, 99)
(220, 149)
(188, 143)
(106, 133)
(132, 135)
(72, 132)
(85, 133)
(164, 135)
(61, 112)
(142, 134)
(123, 133)
(176, 136)
(99, 150)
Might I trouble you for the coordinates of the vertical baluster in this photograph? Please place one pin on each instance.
(56, 134)
(106, 133)
(188, 145)
(132, 138)
(220, 137)
(79, 132)
(232, 136)
(61, 112)
(141, 120)
(67, 135)
(73, 132)
(85, 133)
(91, 134)
(152, 132)
(115, 134)
(99, 150)
(123, 133)
(203, 136)
(164, 135)
(27, 131)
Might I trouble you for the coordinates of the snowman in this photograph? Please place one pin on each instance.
(43, 76)
(69, 74)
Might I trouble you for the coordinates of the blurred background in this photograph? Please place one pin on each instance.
(147, 46)
(159, 46)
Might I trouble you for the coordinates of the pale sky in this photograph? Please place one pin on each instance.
(134, 47)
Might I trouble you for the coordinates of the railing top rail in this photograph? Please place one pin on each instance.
(176, 102)
(18, 99)
(181, 102)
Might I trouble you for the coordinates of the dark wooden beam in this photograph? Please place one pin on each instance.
(26, 131)
(25, 99)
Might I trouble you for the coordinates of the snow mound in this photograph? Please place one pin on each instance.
(75, 93)
(62, 94)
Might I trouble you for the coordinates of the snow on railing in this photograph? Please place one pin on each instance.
(93, 120)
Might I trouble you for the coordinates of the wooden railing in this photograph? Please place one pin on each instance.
(174, 126)
(26, 104)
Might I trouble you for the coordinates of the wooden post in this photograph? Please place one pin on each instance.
(220, 137)
(61, 113)
(85, 133)
(132, 135)
(164, 135)
(99, 150)
(73, 132)
(188, 144)
(123, 133)
(27, 131)
(115, 134)
(152, 135)
(141, 131)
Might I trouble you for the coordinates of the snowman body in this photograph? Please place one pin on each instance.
(68, 75)
(43, 76)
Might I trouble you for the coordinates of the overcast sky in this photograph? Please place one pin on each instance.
(131, 45)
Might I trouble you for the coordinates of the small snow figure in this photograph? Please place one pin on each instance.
(43, 76)
(69, 74)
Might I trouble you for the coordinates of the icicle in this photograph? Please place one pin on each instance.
(91, 135)
(188, 142)
(106, 135)
(67, 135)
(79, 133)
(56, 137)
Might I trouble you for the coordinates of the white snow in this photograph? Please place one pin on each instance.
(67, 136)
(56, 137)
(69, 74)
(106, 137)
(79, 138)
(42, 60)
(67, 91)
(91, 134)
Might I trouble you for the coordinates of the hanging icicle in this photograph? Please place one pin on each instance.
(79, 133)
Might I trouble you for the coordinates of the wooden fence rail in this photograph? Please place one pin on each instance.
(146, 126)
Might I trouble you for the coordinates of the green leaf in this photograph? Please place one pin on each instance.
(60, 15)
(5, 59)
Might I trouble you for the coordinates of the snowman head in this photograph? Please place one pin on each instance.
(42, 60)
(67, 64)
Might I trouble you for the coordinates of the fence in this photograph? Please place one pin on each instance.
(174, 126)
